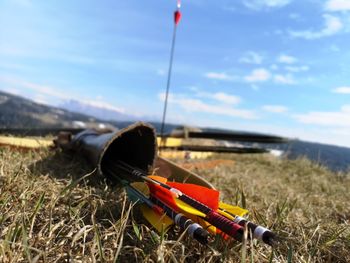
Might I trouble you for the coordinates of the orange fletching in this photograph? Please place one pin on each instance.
(207, 196)
(163, 195)
(160, 179)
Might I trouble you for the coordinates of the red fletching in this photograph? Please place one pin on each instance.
(177, 17)
(206, 196)
(163, 195)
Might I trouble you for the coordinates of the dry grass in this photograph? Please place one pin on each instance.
(52, 209)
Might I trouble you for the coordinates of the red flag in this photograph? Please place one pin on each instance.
(177, 17)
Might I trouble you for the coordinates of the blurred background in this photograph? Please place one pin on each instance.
(270, 66)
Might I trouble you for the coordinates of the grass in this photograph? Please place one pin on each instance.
(54, 209)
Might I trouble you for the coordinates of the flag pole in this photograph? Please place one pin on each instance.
(177, 17)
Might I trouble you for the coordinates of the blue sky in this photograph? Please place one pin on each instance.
(274, 66)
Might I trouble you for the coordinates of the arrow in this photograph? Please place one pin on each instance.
(177, 18)
(224, 224)
(193, 229)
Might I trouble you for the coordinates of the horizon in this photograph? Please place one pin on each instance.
(268, 66)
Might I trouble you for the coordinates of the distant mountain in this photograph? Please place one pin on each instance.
(98, 110)
(334, 157)
(18, 112)
(21, 113)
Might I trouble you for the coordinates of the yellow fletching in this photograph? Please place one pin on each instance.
(160, 222)
(235, 210)
(187, 208)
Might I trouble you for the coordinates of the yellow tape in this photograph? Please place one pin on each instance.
(169, 142)
(25, 142)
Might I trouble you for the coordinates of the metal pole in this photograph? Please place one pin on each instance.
(168, 81)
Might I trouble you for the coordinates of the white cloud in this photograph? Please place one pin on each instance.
(341, 132)
(101, 104)
(41, 89)
(263, 4)
(43, 93)
(11, 90)
(336, 119)
(286, 59)
(258, 75)
(196, 105)
(275, 108)
(218, 96)
(297, 68)
(251, 58)
(219, 76)
(284, 79)
(332, 26)
(337, 5)
(342, 90)
(308, 133)
(226, 98)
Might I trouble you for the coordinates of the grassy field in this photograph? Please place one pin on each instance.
(53, 209)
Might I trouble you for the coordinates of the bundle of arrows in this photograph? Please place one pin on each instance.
(129, 157)
(195, 209)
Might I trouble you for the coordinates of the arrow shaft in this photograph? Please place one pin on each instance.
(168, 80)
(258, 232)
(229, 227)
(193, 229)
